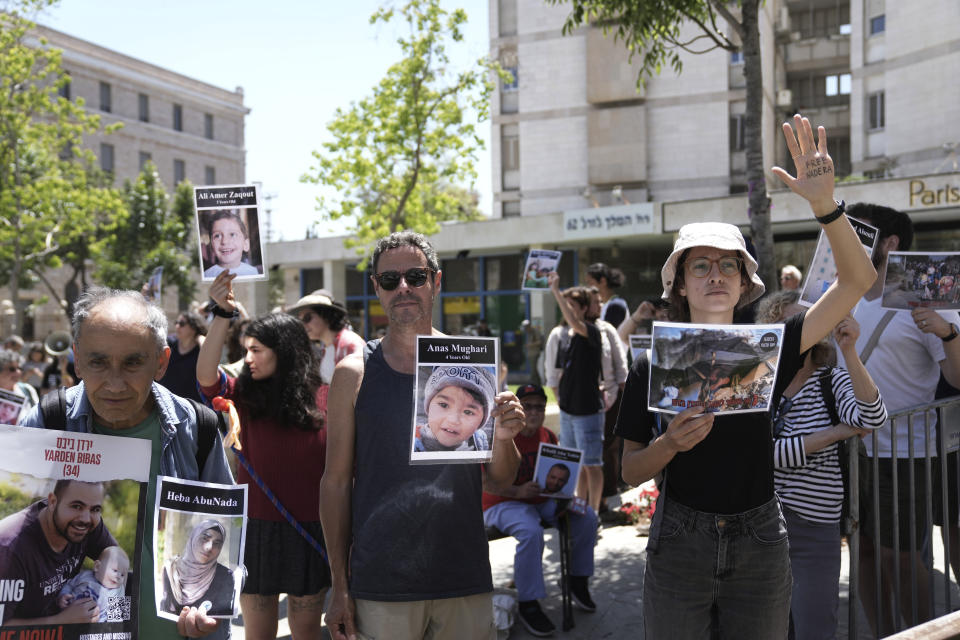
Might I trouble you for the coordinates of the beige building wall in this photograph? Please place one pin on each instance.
(89, 65)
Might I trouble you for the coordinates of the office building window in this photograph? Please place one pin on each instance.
(510, 155)
(737, 139)
(736, 57)
(209, 175)
(145, 157)
(837, 85)
(178, 117)
(878, 24)
(511, 209)
(875, 104)
(143, 107)
(106, 97)
(208, 126)
(179, 171)
(64, 89)
(106, 157)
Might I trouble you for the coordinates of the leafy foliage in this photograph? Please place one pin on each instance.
(151, 232)
(397, 156)
(44, 190)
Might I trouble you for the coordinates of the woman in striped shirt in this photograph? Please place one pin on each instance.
(807, 468)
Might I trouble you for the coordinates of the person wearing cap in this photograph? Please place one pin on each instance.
(407, 546)
(717, 556)
(518, 509)
(325, 320)
(790, 278)
(457, 401)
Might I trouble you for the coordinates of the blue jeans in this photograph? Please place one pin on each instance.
(522, 521)
(584, 433)
(732, 571)
(815, 562)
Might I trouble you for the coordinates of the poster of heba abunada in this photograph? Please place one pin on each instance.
(454, 398)
(198, 542)
(71, 530)
(722, 368)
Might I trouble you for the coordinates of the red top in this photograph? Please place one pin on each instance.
(528, 446)
(289, 460)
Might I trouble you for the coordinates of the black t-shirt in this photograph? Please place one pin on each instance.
(731, 470)
(181, 375)
(580, 381)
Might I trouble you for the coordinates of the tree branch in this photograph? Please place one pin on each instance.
(719, 7)
(56, 296)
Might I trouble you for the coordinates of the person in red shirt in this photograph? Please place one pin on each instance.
(284, 437)
(518, 510)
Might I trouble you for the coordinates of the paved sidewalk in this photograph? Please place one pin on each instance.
(617, 586)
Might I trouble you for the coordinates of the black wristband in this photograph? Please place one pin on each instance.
(833, 215)
(219, 311)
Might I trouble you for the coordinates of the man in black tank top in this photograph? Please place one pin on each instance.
(413, 535)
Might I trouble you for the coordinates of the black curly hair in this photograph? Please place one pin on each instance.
(289, 396)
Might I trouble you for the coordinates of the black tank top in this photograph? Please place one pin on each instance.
(418, 530)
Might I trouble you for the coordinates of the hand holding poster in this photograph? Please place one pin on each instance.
(916, 279)
(557, 470)
(540, 262)
(228, 230)
(823, 269)
(71, 527)
(455, 392)
(724, 368)
(198, 546)
(11, 405)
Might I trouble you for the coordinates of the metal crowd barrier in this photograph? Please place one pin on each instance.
(945, 433)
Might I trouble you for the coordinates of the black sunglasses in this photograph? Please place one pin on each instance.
(415, 277)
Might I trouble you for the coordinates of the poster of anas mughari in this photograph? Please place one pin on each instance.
(724, 368)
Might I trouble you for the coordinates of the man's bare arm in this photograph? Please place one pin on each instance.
(336, 490)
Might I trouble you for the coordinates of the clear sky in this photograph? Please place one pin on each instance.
(297, 61)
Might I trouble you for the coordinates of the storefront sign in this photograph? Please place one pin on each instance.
(608, 222)
(928, 193)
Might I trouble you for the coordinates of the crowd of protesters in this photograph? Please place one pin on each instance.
(746, 537)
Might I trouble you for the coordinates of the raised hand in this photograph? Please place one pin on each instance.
(814, 166)
(221, 290)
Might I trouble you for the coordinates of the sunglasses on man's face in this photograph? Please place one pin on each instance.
(415, 277)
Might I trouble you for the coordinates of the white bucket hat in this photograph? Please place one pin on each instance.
(718, 235)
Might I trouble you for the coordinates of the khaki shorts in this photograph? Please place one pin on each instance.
(467, 618)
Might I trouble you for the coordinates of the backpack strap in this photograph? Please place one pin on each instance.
(875, 336)
(53, 408)
(829, 399)
(209, 424)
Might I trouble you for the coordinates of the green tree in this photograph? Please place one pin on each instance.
(651, 31)
(151, 232)
(397, 157)
(43, 185)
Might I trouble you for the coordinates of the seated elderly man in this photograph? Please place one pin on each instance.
(120, 345)
(517, 510)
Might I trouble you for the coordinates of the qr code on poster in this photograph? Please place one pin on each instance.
(118, 608)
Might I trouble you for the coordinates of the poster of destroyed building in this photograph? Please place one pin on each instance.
(723, 368)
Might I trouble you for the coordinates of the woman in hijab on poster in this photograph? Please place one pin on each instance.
(717, 555)
(194, 577)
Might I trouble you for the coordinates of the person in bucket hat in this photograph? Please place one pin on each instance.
(717, 554)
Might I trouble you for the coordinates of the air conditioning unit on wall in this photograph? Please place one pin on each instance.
(784, 98)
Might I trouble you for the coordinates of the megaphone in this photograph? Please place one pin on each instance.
(57, 343)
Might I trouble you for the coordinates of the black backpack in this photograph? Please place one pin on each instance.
(53, 408)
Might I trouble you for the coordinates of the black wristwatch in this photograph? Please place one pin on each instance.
(219, 311)
(953, 333)
(833, 215)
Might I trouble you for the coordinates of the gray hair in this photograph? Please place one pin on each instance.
(156, 321)
(8, 357)
(406, 238)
